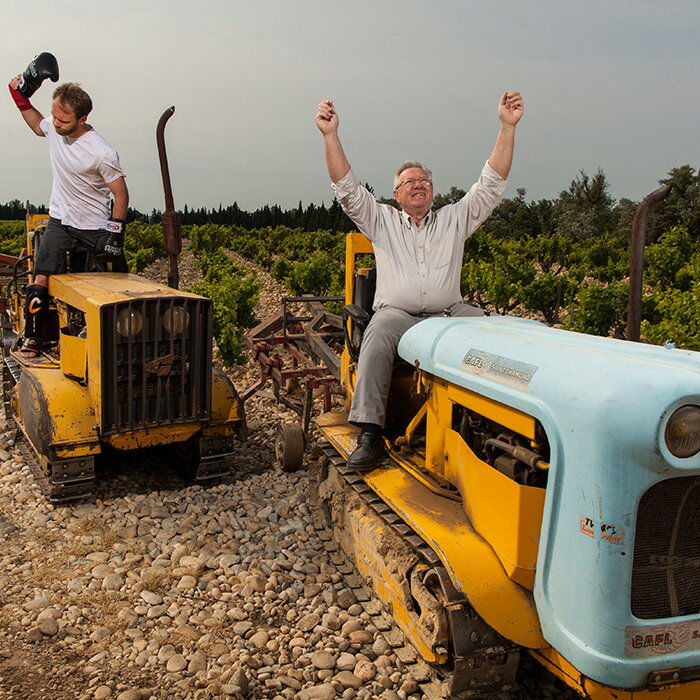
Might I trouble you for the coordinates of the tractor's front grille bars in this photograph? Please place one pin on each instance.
(156, 363)
(666, 566)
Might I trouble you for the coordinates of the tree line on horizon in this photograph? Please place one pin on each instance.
(311, 217)
(583, 211)
(564, 261)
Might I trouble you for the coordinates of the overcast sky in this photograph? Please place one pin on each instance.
(606, 83)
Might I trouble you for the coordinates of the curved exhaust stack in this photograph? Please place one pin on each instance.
(639, 229)
(169, 219)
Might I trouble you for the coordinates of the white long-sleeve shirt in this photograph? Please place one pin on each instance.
(418, 267)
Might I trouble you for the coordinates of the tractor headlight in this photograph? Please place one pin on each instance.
(129, 323)
(682, 434)
(176, 320)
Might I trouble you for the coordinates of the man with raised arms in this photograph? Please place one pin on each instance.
(418, 255)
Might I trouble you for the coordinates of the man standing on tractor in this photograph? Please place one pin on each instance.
(418, 254)
(86, 174)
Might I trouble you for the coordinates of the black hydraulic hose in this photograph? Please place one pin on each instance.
(522, 454)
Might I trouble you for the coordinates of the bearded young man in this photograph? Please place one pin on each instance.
(86, 176)
(418, 255)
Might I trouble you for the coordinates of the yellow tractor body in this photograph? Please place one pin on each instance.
(130, 369)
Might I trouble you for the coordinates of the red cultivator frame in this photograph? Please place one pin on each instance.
(299, 354)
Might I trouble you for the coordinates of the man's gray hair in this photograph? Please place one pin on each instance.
(410, 164)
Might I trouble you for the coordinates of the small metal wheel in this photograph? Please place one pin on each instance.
(289, 446)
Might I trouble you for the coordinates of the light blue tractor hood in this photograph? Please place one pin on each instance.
(604, 404)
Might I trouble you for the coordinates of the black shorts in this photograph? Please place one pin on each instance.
(58, 239)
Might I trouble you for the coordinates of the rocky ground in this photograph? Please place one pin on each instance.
(162, 590)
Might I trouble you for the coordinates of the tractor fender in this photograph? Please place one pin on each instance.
(226, 405)
(57, 414)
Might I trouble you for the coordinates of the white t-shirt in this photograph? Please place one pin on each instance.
(82, 169)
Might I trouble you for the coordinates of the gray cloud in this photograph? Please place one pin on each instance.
(606, 85)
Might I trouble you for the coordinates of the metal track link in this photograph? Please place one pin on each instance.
(484, 664)
(10, 376)
(216, 457)
(70, 479)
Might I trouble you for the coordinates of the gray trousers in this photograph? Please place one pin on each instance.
(376, 360)
(58, 239)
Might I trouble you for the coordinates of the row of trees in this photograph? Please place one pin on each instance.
(310, 218)
(584, 210)
(549, 276)
(15, 210)
(564, 260)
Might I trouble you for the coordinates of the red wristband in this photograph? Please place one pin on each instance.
(23, 104)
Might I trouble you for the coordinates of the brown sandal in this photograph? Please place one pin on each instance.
(31, 348)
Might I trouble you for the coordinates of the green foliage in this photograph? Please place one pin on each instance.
(143, 244)
(584, 211)
(318, 275)
(281, 270)
(677, 318)
(480, 246)
(602, 309)
(473, 281)
(624, 214)
(265, 246)
(681, 207)
(530, 272)
(547, 293)
(234, 295)
(605, 258)
(308, 262)
(454, 195)
(364, 262)
(13, 237)
(690, 272)
(546, 272)
(665, 259)
(209, 237)
(671, 308)
(515, 219)
(552, 253)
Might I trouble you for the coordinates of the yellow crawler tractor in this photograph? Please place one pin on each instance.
(541, 496)
(128, 366)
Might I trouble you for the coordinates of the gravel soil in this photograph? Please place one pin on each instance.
(163, 590)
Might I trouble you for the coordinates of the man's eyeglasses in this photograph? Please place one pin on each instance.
(412, 183)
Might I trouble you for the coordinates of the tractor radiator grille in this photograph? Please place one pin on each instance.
(666, 567)
(156, 363)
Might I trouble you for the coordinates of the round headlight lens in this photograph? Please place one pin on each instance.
(176, 319)
(129, 323)
(682, 434)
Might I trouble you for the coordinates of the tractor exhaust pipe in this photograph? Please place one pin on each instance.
(169, 219)
(639, 230)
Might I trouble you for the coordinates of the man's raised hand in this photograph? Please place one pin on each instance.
(510, 108)
(326, 118)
